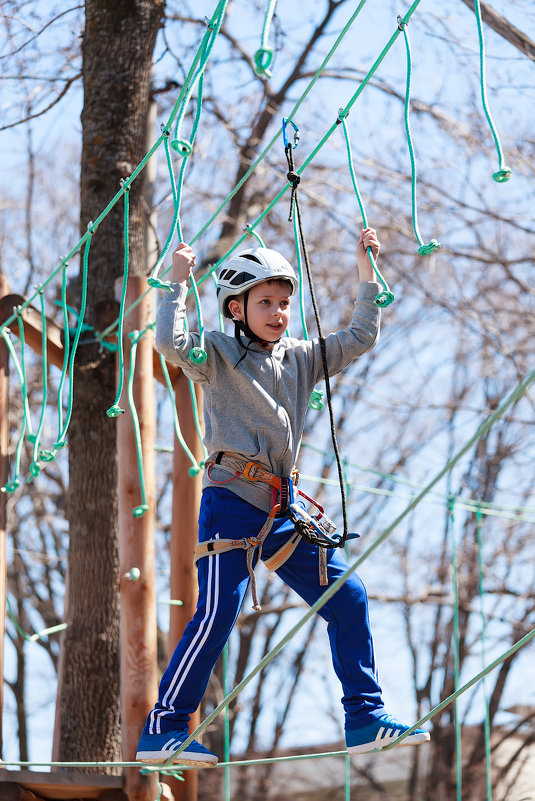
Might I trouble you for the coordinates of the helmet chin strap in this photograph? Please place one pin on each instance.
(243, 326)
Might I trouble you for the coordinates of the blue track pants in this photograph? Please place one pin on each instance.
(223, 581)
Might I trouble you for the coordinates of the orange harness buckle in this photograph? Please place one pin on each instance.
(255, 472)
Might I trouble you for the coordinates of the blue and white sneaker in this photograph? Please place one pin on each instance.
(156, 748)
(380, 732)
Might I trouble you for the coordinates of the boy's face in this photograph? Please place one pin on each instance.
(268, 309)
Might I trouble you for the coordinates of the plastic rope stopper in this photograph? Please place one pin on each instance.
(11, 486)
(182, 147)
(140, 510)
(384, 299)
(198, 355)
(426, 250)
(501, 176)
(316, 401)
(114, 411)
(157, 283)
(262, 59)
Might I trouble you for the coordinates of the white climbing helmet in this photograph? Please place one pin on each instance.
(248, 268)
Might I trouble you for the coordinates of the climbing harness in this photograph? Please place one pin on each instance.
(315, 528)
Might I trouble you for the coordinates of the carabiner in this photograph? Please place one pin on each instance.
(297, 135)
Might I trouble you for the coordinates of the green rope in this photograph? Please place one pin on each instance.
(66, 345)
(521, 643)
(12, 485)
(467, 505)
(519, 390)
(154, 281)
(139, 510)
(256, 235)
(264, 55)
(488, 764)
(36, 455)
(423, 250)
(504, 173)
(195, 468)
(456, 655)
(343, 112)
(226, 723)
(115, 410)
(196, 419)
(292, 113)
(274, 140)
(386, 297)
(83, 303)
(38, 635)
(316, 401)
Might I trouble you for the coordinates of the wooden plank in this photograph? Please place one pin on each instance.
(26, 785)
(33, 328)
(33, 333)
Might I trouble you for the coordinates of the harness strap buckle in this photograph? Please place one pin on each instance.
(255, 472)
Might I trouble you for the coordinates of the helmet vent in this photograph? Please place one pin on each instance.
(251, 257)
(240, 278)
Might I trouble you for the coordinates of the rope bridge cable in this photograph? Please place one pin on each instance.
(485, 426)
(481, 590)
(511, 512)
(423, 250)
(168, 767)
(455, 636)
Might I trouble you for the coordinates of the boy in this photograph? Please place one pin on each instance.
(257, 386)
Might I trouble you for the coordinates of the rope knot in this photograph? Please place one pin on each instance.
(293, 178)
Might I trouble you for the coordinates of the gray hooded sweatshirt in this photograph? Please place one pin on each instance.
(256, 409)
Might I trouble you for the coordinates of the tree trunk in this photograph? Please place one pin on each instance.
(117, 52)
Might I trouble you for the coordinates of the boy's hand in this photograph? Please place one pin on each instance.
(368, 239)
(183, 261)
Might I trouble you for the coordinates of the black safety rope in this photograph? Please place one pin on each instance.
(294, 180)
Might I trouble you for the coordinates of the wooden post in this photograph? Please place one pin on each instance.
(184, 534)
(4, 476)
(136, 547)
